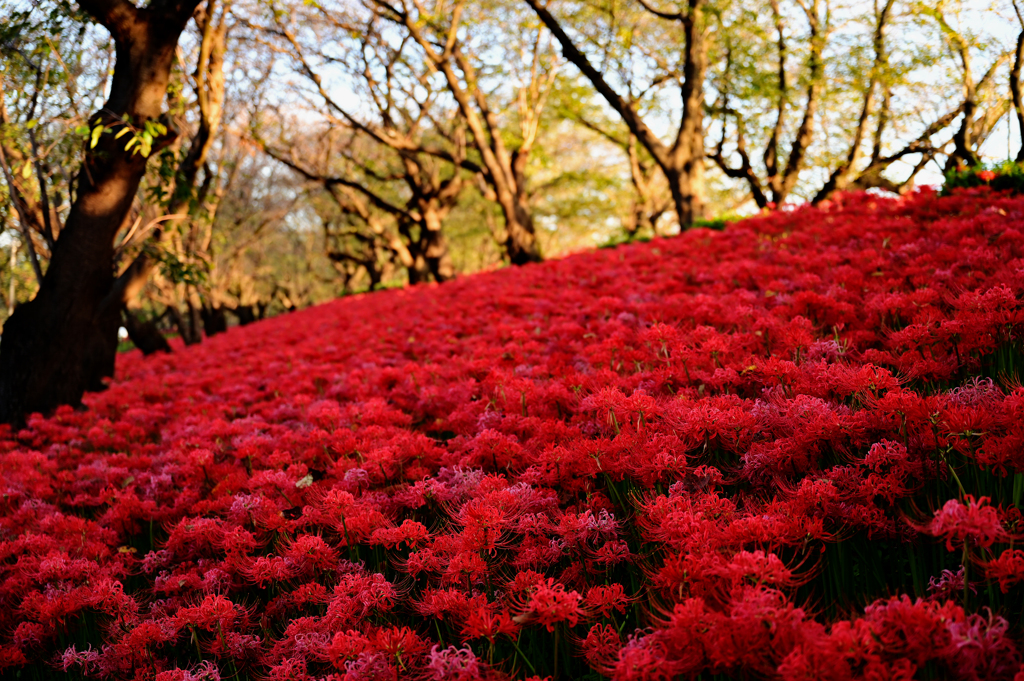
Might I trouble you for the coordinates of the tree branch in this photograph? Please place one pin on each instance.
(622, 107)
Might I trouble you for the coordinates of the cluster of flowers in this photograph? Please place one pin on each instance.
(793, 449)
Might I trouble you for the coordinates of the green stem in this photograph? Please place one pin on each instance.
(519, 653)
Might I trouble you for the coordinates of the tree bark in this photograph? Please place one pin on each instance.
(245, 314)
(782, 184)
(1018, 106)
(210, 85)
(688, 150)
(144, 334)
(58, 345)
(214, 320)
(964, 152)
(434, 245)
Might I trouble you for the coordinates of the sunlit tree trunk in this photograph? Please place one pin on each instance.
(60, 344)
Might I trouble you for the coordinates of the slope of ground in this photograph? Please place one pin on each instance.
(790, 449)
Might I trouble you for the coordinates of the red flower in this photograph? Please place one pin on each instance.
(549, 603)
(975, 522)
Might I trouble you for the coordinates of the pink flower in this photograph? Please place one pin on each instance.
(454, 664)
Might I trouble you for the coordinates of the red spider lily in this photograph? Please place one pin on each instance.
(974, 522)
(548, 603)
(484, 622)
(457, 664)
(605, 599)
(662, 436)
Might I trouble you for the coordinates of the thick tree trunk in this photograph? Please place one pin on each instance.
(418, 270)
(439, 261)
(433, 244)
(686, 186)
(188, 325)
(214, 320)
(1015, 95)
(195, 322)
(373, 272)
(58, 345)
(245, 314)
(53, 347)
(210, 92)
(687, 178)
(144, 334)
(520, 238)
(521, 246)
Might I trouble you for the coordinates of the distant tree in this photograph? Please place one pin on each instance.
(456, 48)
(402, 161)
(870, 101)
(682, 160)
(651, 199)
(779, 177)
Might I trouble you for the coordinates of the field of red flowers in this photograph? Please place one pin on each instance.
(792, 449)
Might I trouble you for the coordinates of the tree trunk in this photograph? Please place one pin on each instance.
(195, 321)
(434, 246)
(1018, 106)
(687, 178)
(214, 320)
(687, 194)
(521, 246)
(245, 314)
(683, 162)
(963, 142)
(188, 325)
(144, 334)
(841, 177)
(58, 345)
(372, 271)
(439, 261)
(185, 195)
(418, 270)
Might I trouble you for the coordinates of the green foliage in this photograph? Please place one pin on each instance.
(719, 223)
(1005, 176)
(175, 269)
(163, 173)
(140, 140)
(623, 237)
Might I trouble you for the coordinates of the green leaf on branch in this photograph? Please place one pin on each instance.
(96, 132)
(177, 270)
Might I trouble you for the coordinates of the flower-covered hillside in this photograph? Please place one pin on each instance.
(793, 449)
